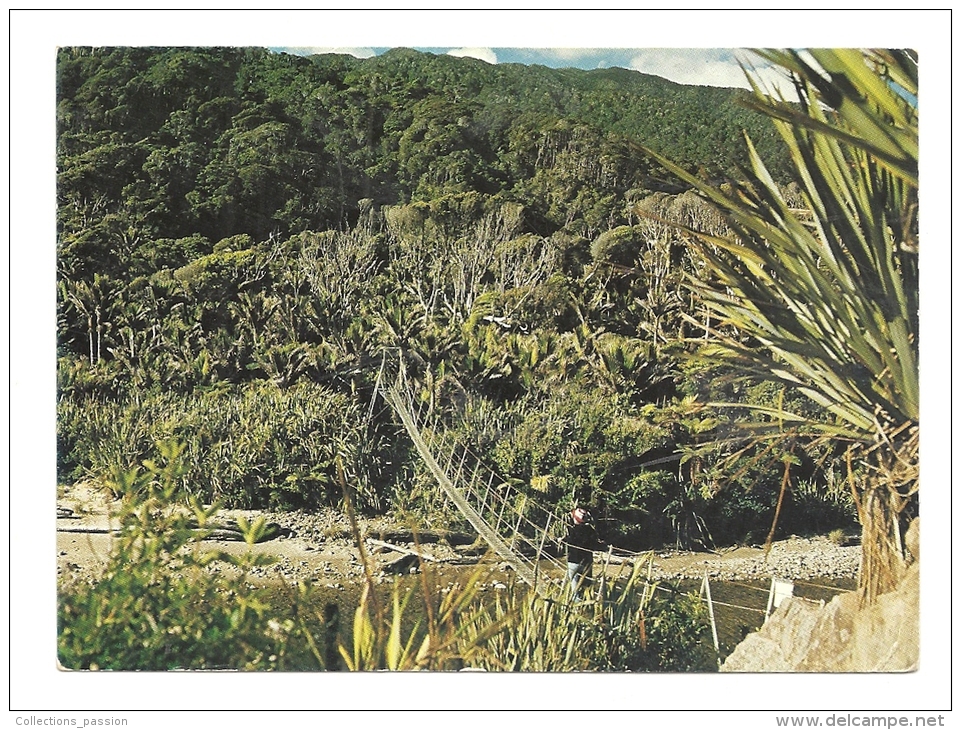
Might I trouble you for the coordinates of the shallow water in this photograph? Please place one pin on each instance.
(739, 607)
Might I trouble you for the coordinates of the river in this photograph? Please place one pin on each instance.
(739, 606)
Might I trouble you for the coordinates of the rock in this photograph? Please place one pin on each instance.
(842, 635)
(402, 564)
(779, 645)
(473, 550)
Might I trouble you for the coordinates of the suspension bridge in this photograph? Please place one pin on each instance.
(518, 527)
(512, 522)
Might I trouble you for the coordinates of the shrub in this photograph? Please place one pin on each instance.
(619, 245)
(157, 607)
(255, 446)
(825, 507)
(451, 638)
(677, 632)
(628, 625)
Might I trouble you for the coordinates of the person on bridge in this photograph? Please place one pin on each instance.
(581, 541)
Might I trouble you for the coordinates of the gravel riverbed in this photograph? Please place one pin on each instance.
(319, 547)
(797, 558)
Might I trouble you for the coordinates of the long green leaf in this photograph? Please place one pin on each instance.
(832, 299)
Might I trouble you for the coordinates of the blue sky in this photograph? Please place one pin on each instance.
(701, 66)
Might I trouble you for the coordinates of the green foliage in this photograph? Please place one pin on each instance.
(587, 445)
(826, 508)
(165, 253)
(619, 246)
(626, 626)
(677, 629)
(213, 277)
(834, 305)
(168, 143)
(837, 537)
(497, 225)
(827, 293)
(241, 233)
(254, 447)
(448, 637)
(158, 605)
(163, 603)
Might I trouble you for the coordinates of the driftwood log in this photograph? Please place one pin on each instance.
(405, 551)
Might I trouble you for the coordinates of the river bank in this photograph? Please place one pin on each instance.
(319, 547)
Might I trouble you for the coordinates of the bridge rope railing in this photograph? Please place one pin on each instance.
(510, 520)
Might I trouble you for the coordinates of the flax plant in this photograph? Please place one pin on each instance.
(610, 630)
(823, 298)
(378, 637)
(450, 638)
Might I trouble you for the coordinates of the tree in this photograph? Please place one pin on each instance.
(827, 294)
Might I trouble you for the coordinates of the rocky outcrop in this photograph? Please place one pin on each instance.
(842, 635)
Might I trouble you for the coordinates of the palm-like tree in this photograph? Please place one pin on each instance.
(827, 294)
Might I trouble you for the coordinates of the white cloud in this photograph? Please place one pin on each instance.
(583, 57)
(572, 54)
(312, 50)
(484, 54)
(711, 67)
(704, 67)
(775, 82)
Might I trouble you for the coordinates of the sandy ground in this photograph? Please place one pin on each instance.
(319, 548)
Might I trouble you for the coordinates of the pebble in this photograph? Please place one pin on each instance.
(798, 558)
(328, 531)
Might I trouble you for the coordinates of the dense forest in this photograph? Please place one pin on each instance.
(243, 234)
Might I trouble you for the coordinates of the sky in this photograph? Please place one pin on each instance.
(698, 66)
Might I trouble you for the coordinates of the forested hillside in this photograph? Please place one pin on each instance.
(241, 234)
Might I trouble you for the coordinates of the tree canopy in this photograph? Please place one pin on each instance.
(216, 142)
(242, 233)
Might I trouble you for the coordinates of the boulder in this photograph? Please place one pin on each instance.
(403, 564)
(843, 635)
